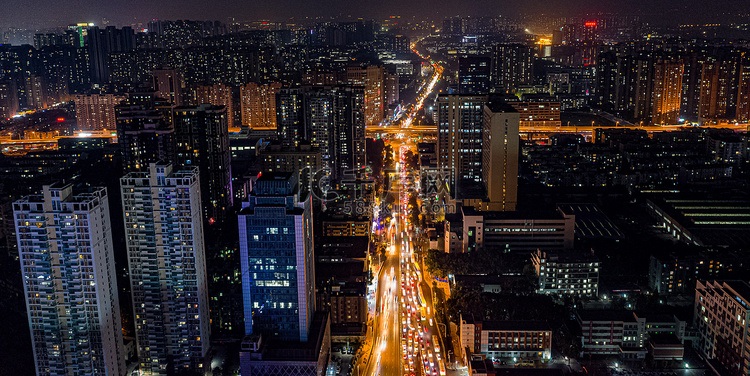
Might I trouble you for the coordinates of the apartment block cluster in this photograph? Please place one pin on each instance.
(200, 145)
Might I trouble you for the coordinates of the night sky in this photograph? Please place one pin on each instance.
(46, 13)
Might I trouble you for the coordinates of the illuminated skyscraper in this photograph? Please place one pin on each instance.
(67, 263)
(166, 259)
(276, 255)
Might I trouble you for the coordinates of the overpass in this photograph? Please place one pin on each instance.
(529, 132)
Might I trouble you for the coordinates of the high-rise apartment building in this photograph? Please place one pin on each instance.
(217, 95)
(35, 92)
(512, 66)
(290, 116)
(202, 140)
(166, 259)
(67, 262)
(500, 152)
(460, 128)
(167, 82)
(667, 91)
(8, 99)
(97, 111)
(743, 92)
(716, 79)
(144, 131)
(258, 105)
(334, 123)
(722, 315)
(372, 77)
(276, 254)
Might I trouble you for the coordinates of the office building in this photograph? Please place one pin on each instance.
(202, 140)
(276, 255)
(722, 314)
(166, 258)
(460, 120)
(67, 262)
(372, 78)
(95, 112)
(258, 105)
(144, 131)
(512, 67)
(573, 274)
(474, 75)
(630, 335)
(528, 340)
(167, 83)
(511, 232)
(500, 153)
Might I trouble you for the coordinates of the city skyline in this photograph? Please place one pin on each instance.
(47, 14)
(458, 193)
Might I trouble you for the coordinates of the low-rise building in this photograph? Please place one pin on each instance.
(575, 274)
(515, 232)
(625, 333)
(261, 357)
(703, 222)
(526, 340)
(346, 226)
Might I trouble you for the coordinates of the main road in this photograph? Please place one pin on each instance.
(403, 336)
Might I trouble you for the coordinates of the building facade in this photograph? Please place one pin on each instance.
(500, 152)
(527, 340)
(721, 314)
(567, 274)
(67, 261)
(460, 120)
(258, 105)
(144, 132)
(97, 111)
(166, 259)
(277, 262)
(202, 140)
